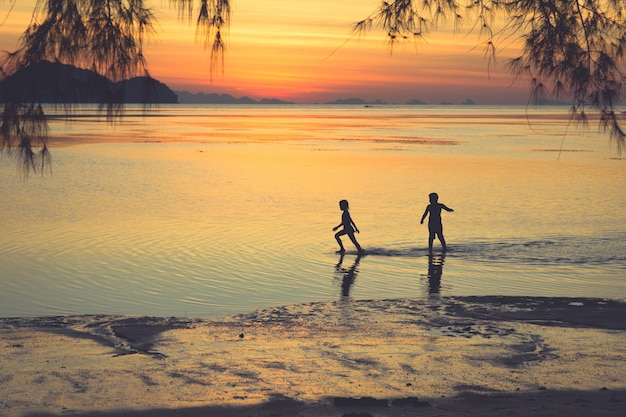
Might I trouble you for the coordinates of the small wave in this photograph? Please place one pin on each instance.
(576, 250)
(573, 250)
(397, 252)
(401, 252)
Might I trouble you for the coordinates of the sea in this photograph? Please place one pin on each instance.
(210, 210)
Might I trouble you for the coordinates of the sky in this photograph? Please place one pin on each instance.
(305, 52)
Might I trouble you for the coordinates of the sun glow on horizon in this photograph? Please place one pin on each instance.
(306, 53)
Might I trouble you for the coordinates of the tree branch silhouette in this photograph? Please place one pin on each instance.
(105, 36)
(570, 48)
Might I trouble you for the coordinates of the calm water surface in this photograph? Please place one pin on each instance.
(206, 210)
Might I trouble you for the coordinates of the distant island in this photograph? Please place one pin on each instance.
(53, 82)
(186, 97)
(413, 102)
(356, 101)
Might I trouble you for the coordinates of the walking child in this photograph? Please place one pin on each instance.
(349, 228)
(435, 228)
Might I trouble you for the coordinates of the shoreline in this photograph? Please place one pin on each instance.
(450, 356)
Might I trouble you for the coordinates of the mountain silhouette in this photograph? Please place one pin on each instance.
(53, 82)
(355, 100)
(214, 98)
(211, 98)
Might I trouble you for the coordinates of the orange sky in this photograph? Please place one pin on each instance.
(297, 51)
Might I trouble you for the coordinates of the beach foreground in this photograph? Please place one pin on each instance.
(483, 356)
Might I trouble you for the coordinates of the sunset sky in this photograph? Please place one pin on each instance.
(303, 52)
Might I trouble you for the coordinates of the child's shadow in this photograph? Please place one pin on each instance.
(348, 275)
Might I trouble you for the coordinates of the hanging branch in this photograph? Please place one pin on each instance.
(104, 36)
(570, 48)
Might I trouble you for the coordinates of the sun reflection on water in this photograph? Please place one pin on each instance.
(221, 211)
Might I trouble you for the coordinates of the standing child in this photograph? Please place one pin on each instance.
(435, 228)
(348, 228)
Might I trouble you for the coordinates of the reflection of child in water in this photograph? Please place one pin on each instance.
(435, 228)
(348, 227)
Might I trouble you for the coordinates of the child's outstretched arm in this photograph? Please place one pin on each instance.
(446, 208)
(356, 229)
(424, 215)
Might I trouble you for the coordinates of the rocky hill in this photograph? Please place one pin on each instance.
(48, 82)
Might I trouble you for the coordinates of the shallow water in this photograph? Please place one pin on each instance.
(204, 210)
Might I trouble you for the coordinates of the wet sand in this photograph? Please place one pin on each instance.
(458, 356)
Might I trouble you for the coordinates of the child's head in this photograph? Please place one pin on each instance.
(433, 197)
(343, 204)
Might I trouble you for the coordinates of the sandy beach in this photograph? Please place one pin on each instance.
(461, 356)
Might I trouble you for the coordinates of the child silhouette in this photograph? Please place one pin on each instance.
(435, 228)
(348, 228)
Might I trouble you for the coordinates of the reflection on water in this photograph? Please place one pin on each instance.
(347, 275)
(435, 271)
(222, 210)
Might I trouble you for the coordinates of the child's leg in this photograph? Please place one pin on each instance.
(443, 242)
(341, 248)
(431, 237)
(442, 239)
(353, 239)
